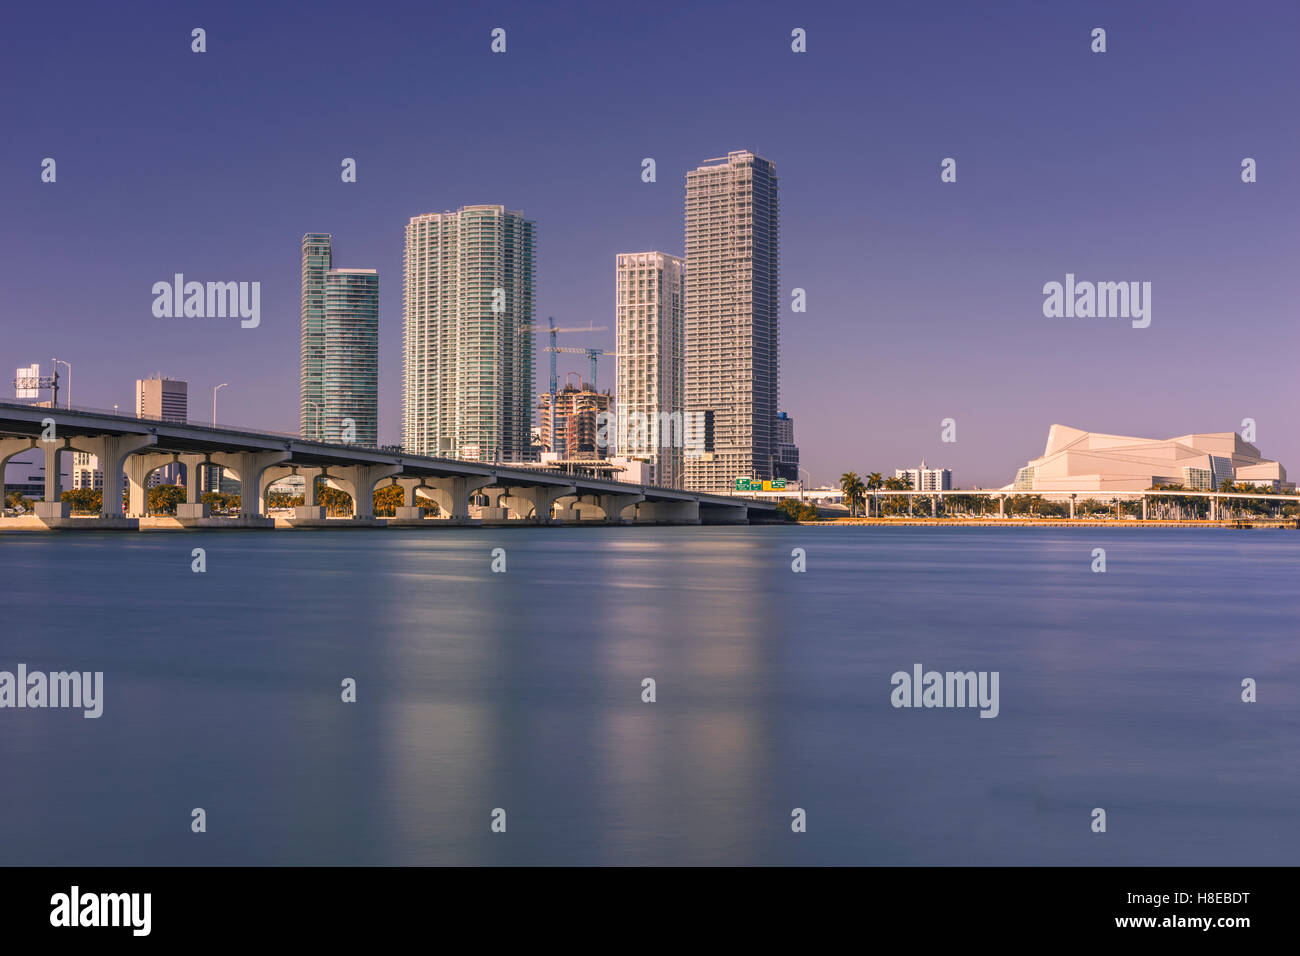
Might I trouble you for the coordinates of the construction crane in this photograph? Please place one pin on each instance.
(590, 353)
(555, 349)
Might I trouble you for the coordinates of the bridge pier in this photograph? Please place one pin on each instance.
(138, 470)
(615, 504)
(359, 481)
(8, 448)
(410, 509)
(249, 466)
(452, 495)
(51, 505)
(1002, 506)
(541, 497)
(112, 452)
(193, 508)
(1144, 507)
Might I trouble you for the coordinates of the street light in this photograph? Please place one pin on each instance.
(214, 403)
(58, 362)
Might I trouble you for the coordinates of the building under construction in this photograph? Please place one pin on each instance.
(575, 421)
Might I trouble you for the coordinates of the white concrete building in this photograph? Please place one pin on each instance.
(649, 304)
(1075, 460)
(925, 478)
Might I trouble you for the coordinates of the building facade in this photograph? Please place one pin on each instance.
(732, 307)
(1075, 460)
(467, 351)
(925, 478)
(166, 399)
(787, 452)
(650, 379)
(317, 260)
(350, 376)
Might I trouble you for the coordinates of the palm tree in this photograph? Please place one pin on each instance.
(874, 481)
(852, 487)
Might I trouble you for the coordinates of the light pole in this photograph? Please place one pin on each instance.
(58, 362)
(214, 402)
(316, 408)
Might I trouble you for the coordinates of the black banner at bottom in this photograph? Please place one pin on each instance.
(337, 905)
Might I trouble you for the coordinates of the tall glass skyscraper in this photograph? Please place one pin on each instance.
(467, 361)
(732, 340)
(317, 258)
(351, 357)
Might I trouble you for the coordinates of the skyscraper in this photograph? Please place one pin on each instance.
(350, 368)
(732, 340)
(649, 332)
(468, 337)
(317, 258)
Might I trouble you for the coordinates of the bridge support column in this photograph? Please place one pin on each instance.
(1002, 506)
(566, 509)
(714, 513)
(193, 506)
(1073, 497)
(250, 465)
(310, 509)
(1144, 507)
(934, 506)
(910, 499)
(8, 448)
(452, 494)
(51, 505)
(615, 504)
(360, 481)
(542, 497)
(410, 508)
(1214, 507)
(112, 452)
(138, 470)
(669, 512)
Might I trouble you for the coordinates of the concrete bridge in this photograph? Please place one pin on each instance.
(137, 447)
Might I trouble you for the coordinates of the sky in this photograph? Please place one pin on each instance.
(924, 298)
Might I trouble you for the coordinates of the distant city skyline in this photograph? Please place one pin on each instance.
(925, 298)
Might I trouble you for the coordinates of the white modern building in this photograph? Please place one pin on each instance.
(467, 353)
(925, 478)
(649, 304)
(732, 340)
(1075, 460)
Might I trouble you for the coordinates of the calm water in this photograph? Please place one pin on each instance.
(523, 691)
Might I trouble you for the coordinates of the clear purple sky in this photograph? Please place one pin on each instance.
(924, 299)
